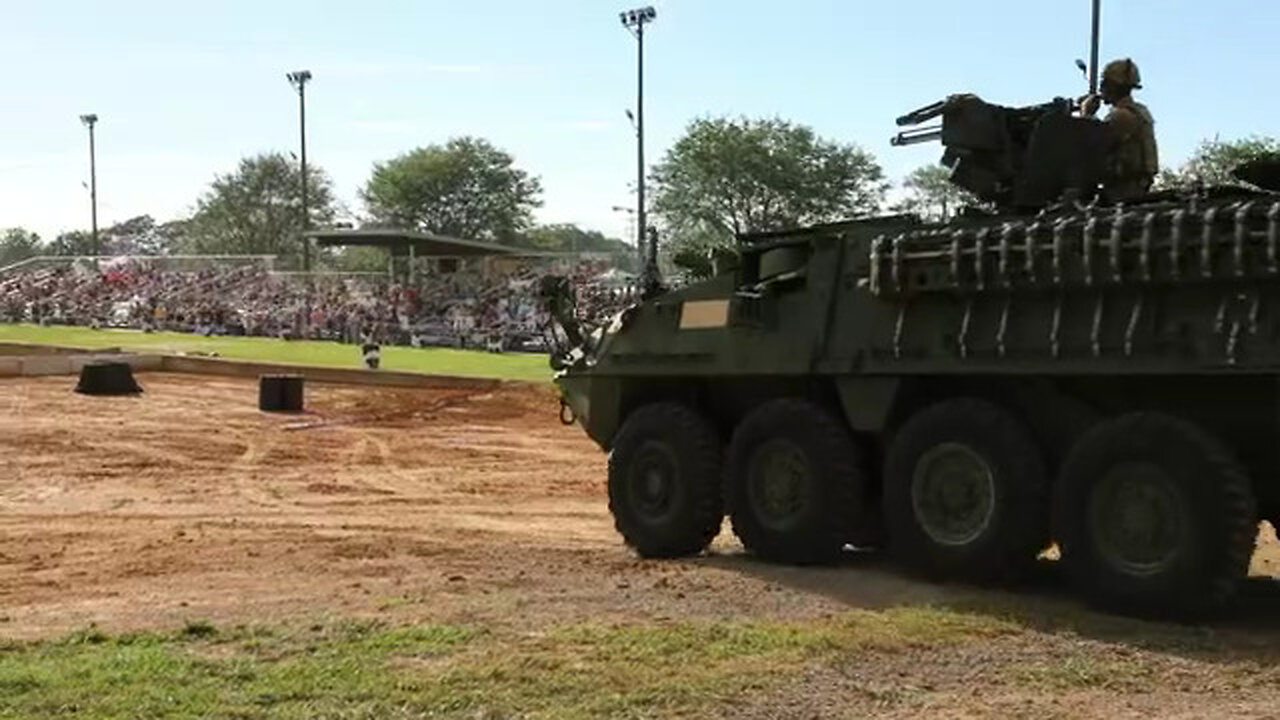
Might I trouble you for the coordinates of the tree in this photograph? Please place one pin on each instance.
(18, 244)
(567, 237)
(72, 243)
(257, 210)
(466, 188)
(931, 194)
(725, 177)
(1214, 159)
(141, 236)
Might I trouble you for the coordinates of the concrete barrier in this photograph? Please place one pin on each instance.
(40, 365)
(139, 363)
(352, 376)
(48, 360)
(35, 365)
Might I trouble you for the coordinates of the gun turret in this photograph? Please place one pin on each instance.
(1016, 158)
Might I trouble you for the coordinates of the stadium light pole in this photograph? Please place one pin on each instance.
(634, 21)
(299, 81)
(89, 121)
(1095, 21)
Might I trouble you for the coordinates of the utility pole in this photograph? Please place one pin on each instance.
(1093, 47)
(90, 120)
(635, 20)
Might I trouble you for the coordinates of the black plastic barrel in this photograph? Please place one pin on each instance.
(280, 393)
(107, 378)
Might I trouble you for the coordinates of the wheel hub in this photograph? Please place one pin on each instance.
(1137, 519)
(653, 482)
(779, 483)
(953, 493)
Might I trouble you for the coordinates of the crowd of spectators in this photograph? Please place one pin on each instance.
(496, 311)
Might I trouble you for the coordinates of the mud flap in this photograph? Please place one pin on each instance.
(867, 401)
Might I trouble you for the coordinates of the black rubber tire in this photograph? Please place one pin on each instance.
(1219, 508)
(832, 501)
(1016, 529)
(697, 510)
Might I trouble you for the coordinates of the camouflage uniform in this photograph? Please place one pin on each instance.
(1132, 158)
(1132, 162)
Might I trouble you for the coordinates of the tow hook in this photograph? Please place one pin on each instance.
(566, 413)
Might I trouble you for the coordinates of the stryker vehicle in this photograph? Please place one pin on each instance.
(1051, 369)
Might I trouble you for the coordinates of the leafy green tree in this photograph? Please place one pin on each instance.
(930, 194)
(744, 175)
(688, 253)
(141, 235)
(257, 210)
(567, 237)
(74, 242)
(18, 244)
(729, 176)
(466, 188)
(1214, 159)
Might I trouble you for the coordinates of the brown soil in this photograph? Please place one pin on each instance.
(468, 506)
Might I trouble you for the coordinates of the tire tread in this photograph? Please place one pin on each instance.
(703, 449)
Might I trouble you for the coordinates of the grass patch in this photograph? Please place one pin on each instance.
(469, 363)
(338, 671)
(1085, 672)
(364, 669)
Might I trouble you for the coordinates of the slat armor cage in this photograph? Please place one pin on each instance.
(1232, 243)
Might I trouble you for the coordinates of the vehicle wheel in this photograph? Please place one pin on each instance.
(793, 483)
(966, 492)
(1154, 517)
(664, 481)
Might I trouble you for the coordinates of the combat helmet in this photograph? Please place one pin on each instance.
(1122, 73)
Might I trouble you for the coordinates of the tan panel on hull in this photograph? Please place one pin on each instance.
(702, 314)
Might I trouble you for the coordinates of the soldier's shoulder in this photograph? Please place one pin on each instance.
(1135, 109)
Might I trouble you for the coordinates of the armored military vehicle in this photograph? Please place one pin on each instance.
(1047, 369)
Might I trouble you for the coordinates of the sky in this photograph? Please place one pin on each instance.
(184, 90)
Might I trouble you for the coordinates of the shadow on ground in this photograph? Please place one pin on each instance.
(1249, 630)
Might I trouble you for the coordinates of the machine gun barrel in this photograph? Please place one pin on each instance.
(917, 135)
(928, 112)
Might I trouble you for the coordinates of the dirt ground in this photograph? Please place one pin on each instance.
(478, 506)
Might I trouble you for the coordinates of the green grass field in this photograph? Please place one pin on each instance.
(470, 363)
(364, 669)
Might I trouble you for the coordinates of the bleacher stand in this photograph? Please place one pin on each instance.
(497, 312)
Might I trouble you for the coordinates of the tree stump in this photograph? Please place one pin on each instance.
(280, 393)
(107, 378)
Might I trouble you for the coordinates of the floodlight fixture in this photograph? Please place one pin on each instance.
(638, 16)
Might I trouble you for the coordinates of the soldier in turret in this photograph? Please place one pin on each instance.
(1132, 160)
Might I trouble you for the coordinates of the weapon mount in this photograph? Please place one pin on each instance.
(1019, 159)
